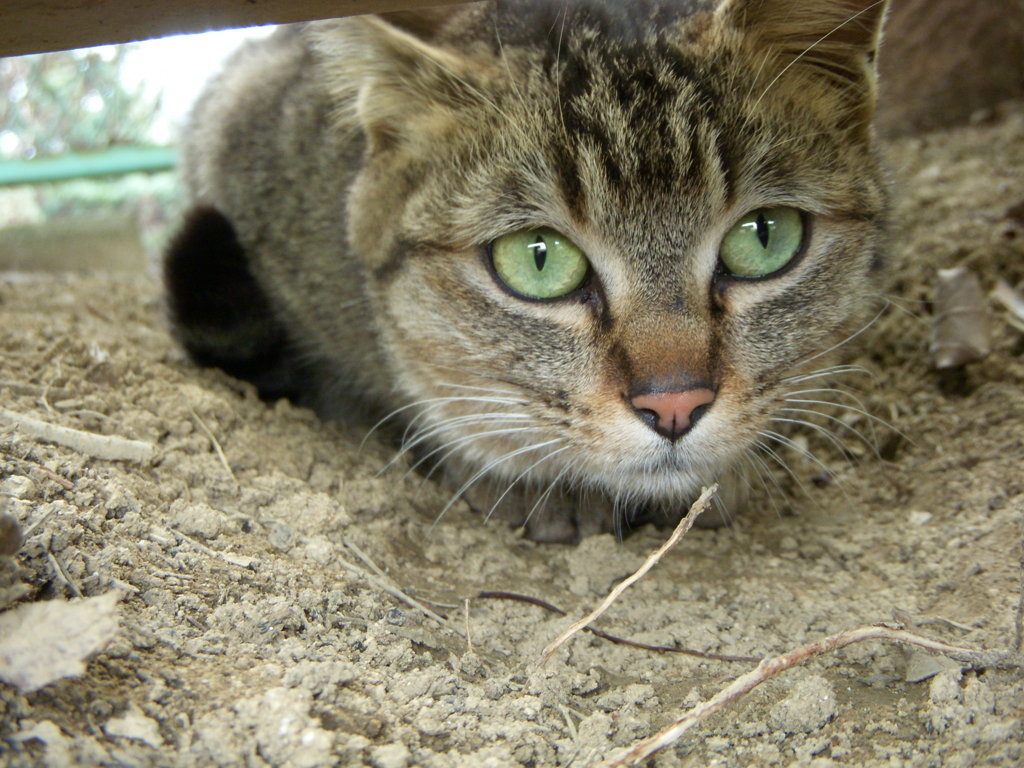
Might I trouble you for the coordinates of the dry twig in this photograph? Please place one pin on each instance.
(62, 575)
(769, 668)
(382, 582)
(1018, 619)
(696, 509)
(614, 638)
(216, 445)
(239, 561)
(33, 390)
(63, 482)
(107, 447)
(1013, 300)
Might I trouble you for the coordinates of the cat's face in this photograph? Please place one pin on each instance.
(605, 258)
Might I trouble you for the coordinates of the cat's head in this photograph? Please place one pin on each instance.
(606, 240)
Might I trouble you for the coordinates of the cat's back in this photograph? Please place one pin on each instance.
(253, 129)
(267, 163)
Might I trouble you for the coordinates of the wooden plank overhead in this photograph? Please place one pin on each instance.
(32, 26)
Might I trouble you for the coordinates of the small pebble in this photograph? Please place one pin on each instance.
(390, 756)
(917, 517)
(19, 487)
(810, 704)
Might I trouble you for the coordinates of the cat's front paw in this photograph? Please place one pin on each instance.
(552, 516)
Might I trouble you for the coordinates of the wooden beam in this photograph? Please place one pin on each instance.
(33, 26)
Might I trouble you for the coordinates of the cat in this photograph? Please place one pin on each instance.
(582, 251)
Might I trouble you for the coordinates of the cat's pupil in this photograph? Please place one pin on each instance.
(763, 231)
(540, 252)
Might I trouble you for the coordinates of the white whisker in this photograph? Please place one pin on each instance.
(455, 444)
(520, 476)
(812, 46)
(861, 411)
(772, 454)
(836, 370)
(542, 499)
(436, 400)
(491, 390)
(831, 437)
(488, 467)
(845, 341)
(870, 443)
(428, 432)
(761, 470)
(792, 444)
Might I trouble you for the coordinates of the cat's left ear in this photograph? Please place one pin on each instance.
(834, 40)
(401, 84)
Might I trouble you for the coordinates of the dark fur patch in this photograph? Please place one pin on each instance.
(220, 312)
(527, 21)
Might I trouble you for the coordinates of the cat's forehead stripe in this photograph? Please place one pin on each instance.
(618, 114)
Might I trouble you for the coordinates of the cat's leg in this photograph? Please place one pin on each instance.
(220, 312)
(566, 517)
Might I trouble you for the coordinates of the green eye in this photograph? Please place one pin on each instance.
(763, 242)
(539, 263)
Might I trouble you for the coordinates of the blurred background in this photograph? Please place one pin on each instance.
(86, 149)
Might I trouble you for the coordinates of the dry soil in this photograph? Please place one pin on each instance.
(251, 635)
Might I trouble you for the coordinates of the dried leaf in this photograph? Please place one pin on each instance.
(44, 642)
(961, 331)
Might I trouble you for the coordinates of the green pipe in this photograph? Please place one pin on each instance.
(110, 162)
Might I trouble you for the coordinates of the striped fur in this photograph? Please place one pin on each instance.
(365, 164)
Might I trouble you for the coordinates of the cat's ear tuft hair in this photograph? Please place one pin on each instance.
(398, 81)
(423, 23)
(833, 39)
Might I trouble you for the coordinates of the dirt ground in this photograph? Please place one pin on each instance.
(253, 630)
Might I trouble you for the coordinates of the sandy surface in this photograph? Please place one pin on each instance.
(250, 635)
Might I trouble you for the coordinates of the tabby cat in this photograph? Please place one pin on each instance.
(583, 251)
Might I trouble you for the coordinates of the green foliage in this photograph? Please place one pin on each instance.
(70, 101)
(76, 101)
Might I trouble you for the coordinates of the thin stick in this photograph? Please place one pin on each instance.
(1018, 619)
(216, 444)
(239, 561)
(614, 638)
(696, 509)
(63, 482)
(34, 390)
(100, 446)
(32, 528)
(394, 591)
(367, 560)
(769, 668)
(62, 574)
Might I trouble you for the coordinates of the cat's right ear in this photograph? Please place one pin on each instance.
(829, 41)
(400, 85)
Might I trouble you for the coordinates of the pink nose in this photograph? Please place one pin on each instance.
(671, 414)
